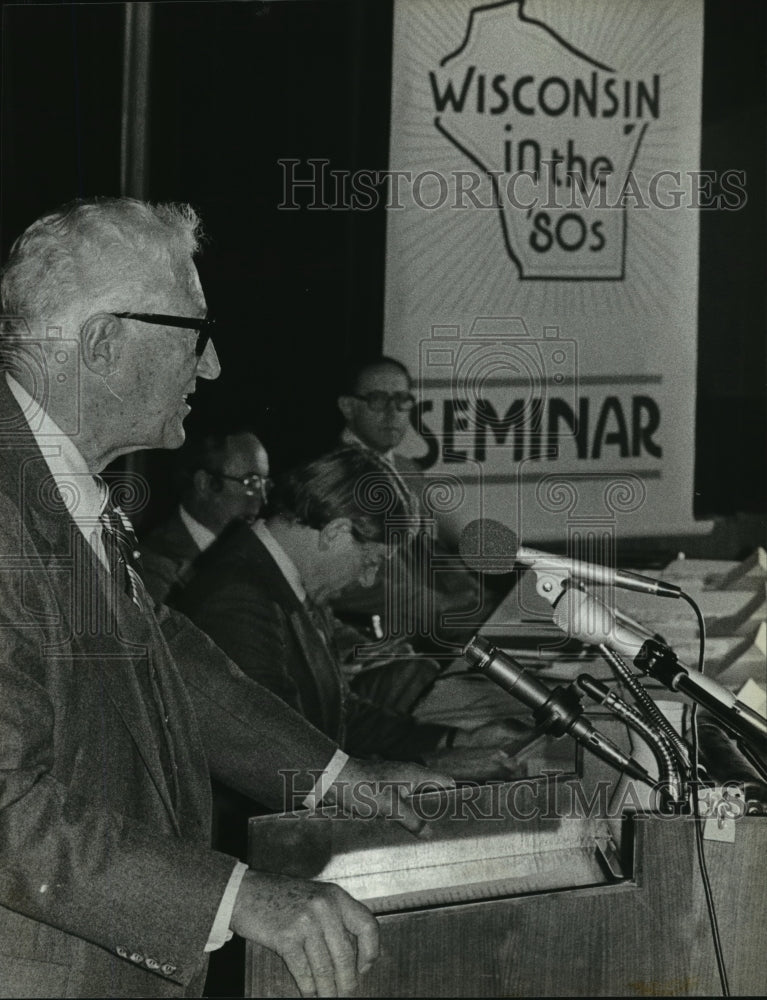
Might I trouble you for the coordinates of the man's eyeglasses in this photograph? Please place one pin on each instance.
(379, 401)
(202, 324)
(253, 482)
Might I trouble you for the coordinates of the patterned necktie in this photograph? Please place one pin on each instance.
(121, 546)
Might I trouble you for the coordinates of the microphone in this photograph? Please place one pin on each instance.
(584, 617)
(489, 546)
(559, 710)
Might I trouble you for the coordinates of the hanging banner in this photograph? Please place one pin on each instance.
(542, 256)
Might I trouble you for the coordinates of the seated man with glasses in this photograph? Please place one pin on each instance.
(262, 593)
(222, 476)
(376, 402)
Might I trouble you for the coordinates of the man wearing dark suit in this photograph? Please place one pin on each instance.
(376, 402)
(113, 715)
(262, 592)
(223, 476)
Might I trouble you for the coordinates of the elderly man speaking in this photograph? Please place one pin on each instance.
(113, 713)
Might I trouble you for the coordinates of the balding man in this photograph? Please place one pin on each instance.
(223, 476)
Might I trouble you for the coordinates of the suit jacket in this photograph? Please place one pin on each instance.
(108, 886)
(240, 597)
(167, 557)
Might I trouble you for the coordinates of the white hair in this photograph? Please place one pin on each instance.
(93, 255)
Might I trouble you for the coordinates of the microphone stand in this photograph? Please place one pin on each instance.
(660, 662)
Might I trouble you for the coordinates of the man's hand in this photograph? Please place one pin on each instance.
(478, 764)
(382, 789)
(326, 938)
(485, 753)
(502, 733)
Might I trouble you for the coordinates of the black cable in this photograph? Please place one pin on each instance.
(701, 629)
(697, 819)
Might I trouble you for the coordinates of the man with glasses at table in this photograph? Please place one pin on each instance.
(114, 714)
(376, 402)
(223, 476)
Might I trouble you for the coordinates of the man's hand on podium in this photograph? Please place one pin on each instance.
(326, 939)
(485, 753)
(382, 790)
(496, 733)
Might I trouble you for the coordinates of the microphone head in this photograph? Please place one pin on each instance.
(488, 546)
(584, 617)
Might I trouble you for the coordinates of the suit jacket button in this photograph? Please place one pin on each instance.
(152, 963)
(122, 952)
(136, 956)
(167, 969)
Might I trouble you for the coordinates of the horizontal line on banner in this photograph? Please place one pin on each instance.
(535, 477)
(566, 381)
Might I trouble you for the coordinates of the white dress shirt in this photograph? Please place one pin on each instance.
(202, 537)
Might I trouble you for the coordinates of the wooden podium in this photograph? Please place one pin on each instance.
(554, 889)
(505, 899)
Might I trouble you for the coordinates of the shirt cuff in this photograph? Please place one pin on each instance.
(220, 932)
(326, 779)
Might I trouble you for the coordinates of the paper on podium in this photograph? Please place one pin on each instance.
(755, 696)
(725, 611)
(478, 847)
(718, 574)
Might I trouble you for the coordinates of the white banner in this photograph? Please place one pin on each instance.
(542, 256)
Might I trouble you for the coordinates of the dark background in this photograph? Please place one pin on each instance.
(235, 87)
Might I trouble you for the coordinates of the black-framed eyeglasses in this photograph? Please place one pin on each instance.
(378, 401)
(202, 324)
(252, 481)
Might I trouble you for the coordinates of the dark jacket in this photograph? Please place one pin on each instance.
(240, 597)
(168, 554)
(108, 886)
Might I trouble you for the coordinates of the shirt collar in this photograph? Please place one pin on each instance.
(201, 536)
(349, 437)
(280, 556)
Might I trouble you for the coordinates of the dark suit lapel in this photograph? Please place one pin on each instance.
(98, 621)
(319, 659)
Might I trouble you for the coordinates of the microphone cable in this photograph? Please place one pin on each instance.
(700, 849)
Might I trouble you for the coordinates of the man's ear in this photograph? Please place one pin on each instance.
(333, 531)
(346, 406)
(202, 482)
(100, 344)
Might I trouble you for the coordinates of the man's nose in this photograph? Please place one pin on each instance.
(209, 366)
